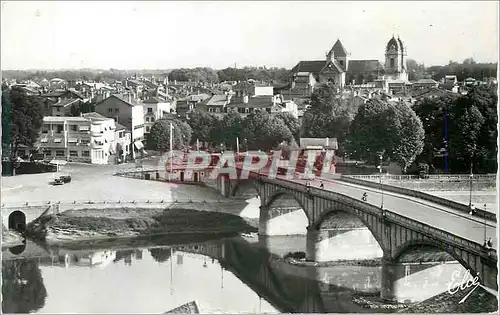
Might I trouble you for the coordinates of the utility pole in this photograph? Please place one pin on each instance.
(485, 223)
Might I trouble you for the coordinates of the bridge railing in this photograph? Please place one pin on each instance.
(121, 203)
(443, 177)
(421, 195)
(430, 231)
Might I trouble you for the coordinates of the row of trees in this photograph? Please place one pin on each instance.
(257, 131)
(465, 126)
(468, 68)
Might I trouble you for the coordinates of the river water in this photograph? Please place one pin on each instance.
(228, 275)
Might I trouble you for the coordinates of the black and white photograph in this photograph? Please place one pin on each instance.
(249, 157)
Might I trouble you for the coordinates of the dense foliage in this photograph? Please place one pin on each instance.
(382, 128)
(159, 135)
(471, 129)
(329, 115)
(22, 119)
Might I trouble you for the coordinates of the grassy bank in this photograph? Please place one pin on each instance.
(94, 224)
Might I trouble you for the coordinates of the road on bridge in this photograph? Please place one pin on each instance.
(424, 211)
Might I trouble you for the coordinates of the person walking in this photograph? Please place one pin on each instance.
(321, 185)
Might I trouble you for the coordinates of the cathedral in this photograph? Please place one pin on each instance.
(339, 70)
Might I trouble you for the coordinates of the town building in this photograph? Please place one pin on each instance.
(272, 104)
(127, 111)
(155, 108)
(89, 138)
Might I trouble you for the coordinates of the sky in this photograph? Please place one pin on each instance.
(166, 35)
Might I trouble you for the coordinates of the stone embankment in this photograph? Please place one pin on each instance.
(112, 223)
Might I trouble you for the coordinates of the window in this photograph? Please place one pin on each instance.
(150, 110)
(120, 134)
(110, 110)
(152, 119)
(60, 128)
(47, 152)
(147, 129)
(247, 110)
(210, 109)
(84, 141)
(147, 119)
(84, 128)
(117, 110)
(44, 140)
(57, 140)
(392, 62)
(85, 153)
(59, 152)
(58, 109)
(341, 62)
(74, 128)
(72, 140)
(73, 153)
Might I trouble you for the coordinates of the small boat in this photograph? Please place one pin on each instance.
(188, 308)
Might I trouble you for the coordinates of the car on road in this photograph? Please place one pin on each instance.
(58, 182)
(65, 178)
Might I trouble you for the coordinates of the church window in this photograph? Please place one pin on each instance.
(392, 62)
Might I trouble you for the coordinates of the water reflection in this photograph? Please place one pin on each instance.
(223, 276)
(23, 289)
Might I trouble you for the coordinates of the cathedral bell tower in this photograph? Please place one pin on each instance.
(395, 59)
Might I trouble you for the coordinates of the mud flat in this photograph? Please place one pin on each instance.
(97, 225)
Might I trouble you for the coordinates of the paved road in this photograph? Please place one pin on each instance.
(423, 211)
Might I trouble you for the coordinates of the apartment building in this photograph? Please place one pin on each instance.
(127, 111)
(154, 109)
(89, 138)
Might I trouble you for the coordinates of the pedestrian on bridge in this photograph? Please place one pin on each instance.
(321, 185)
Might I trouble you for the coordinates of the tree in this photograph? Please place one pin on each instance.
(23, 290)
(230, 128)
(264, 131)
(472, 123)
(291, 122)
(329, 115)
(380, 126)
(24, 115)
(410, 133)
(159, 135)
(161, 254)
(203, 125)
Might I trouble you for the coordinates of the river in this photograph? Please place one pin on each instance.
(227, 275)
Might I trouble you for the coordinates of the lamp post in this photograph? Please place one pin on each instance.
(470, 186)
(380, 183)
(485, 223)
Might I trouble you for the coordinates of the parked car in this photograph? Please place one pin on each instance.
(58, 182)
(65, 178)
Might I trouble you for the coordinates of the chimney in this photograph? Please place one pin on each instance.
(245, 99)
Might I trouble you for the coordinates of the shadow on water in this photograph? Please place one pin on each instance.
(286, 287)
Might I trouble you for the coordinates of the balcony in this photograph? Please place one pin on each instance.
(95, 133)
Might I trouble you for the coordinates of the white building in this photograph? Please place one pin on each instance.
(90, 138)
(154, 109)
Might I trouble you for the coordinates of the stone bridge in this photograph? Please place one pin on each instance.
(395, 234)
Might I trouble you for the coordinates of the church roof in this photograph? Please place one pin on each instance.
(333, 66)
(309, 66)
(360, 66)
(338, 49)
(397, 43)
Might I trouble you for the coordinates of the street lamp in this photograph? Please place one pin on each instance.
(380, 182)
(485, 223)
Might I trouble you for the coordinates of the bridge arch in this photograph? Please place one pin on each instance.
(342, 207)
(244, 185)
(283, 193)
(409, 245)
(17, 221)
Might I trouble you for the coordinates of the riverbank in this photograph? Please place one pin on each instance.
(11, 238)
(97, 225)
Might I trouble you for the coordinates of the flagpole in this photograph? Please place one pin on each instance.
(171, 150)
